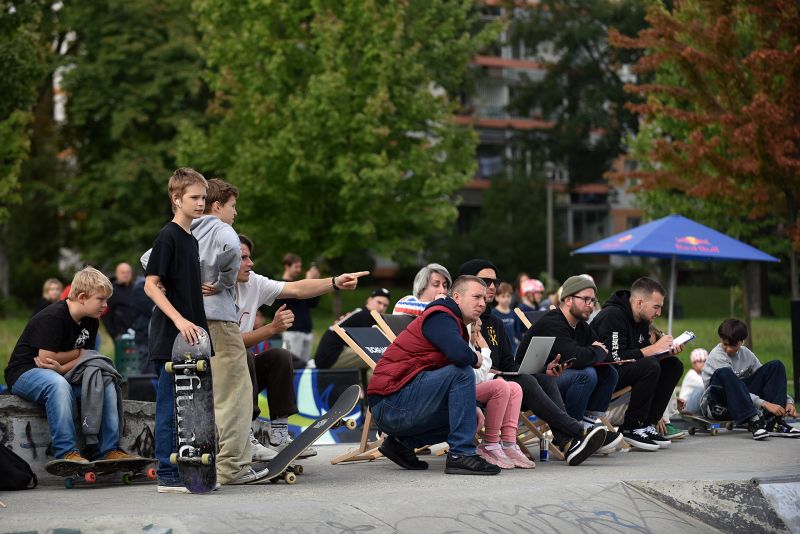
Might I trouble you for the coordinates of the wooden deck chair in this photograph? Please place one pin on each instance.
(604, 419)
(391, 325)
(530, 432)
(368, 343)
(529, 318)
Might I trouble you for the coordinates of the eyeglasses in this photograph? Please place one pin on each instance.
(490, 281)
(586, 300)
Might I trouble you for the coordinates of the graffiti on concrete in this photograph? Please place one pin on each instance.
(145, 444)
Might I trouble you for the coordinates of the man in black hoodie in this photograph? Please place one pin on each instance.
(623, 326)
(539, 392)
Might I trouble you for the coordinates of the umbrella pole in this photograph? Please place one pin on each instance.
(672, 281)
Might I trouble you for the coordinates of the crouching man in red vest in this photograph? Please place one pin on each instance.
(423, 389)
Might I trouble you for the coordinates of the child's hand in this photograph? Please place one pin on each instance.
(774, 409)
(48, 363)
(791, 411)
(189, 331)
(681, 405)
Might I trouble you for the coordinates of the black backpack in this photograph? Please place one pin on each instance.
(15, 473)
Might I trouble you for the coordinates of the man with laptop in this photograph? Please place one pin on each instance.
(588, 381)
(539, 390)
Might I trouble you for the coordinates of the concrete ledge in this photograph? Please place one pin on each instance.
(23, 428)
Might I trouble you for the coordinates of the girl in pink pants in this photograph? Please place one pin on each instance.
(502, 400)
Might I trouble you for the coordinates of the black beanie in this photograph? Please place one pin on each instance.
(473, 267)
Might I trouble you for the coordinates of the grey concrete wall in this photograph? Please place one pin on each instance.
(23, 428)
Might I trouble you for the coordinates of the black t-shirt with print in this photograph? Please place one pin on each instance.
(175, 259)
(51, 329)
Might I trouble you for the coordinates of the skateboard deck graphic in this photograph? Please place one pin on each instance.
(194, 413)
(281, 466)
(702, 424)
(76, 473)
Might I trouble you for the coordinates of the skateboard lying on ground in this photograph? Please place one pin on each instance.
(88, 473)
(194, 413)
(710, 426)
(281, 466)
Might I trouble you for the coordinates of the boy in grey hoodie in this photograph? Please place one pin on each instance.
(738, 387)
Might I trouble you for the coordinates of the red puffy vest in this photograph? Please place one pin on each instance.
(410, 354)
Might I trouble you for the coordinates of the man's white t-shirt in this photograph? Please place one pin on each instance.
(251, 295)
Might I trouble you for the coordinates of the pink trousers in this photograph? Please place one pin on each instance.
(502, 400)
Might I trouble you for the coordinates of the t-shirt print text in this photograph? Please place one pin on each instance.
(83, 337)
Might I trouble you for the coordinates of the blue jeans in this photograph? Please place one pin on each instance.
(48, 388)
(587, 389)
(436, 406)
(729, 395)
(166, 430)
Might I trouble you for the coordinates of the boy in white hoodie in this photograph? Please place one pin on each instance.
(738, 387)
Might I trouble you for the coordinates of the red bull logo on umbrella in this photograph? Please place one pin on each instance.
(695, 244)
(619, 241)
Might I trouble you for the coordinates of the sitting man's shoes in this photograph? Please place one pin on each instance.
(584, 447)
(657, 438)
(638, 438)
(469, 465)
(251, 473)
(673, 432)
(611, 443)
(777, 427)
(757, 427)
(75, 456)
(118, 454)
(401, 455)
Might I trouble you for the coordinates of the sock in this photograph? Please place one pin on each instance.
(587, 425)
(593, 415)
(508, 444)
(278, 430)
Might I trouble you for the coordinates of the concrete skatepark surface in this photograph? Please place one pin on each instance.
(700, 484)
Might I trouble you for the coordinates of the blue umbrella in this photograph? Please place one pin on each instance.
(676, 237)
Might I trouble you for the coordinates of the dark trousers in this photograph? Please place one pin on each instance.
(652, 383)
(541, 396)
(273, 370)
(729, 395)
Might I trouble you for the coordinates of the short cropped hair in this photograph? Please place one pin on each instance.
(181, 179)
(647, 286)
(51, 282)
(246, 241)
(424, 276)
(90, 281)
(290, 259)
(462, 281)
(219, 191)
(732, 331)
(505, 289)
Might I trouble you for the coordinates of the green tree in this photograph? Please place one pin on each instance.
(134, 77)
(336, 120)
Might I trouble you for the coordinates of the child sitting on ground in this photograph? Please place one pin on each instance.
(738, 387)
(50, 346)
(502, 400)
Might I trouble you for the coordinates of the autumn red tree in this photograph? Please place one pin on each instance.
(722, 104)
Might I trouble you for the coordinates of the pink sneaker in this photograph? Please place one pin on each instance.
(493, 453)
(518, 458)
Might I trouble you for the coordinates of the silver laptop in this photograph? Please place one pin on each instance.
(535, 358)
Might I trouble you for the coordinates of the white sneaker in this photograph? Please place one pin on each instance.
(278, 447)
(250, 474)
(260, 452)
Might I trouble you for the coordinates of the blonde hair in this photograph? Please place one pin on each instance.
(181, 179)
(90, 281)
(51, 282)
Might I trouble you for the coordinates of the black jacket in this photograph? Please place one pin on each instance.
(616, 328)
(494, 333)
(570, 342)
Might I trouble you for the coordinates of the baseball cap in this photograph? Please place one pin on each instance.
(380, 292)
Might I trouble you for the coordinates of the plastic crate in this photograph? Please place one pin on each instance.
(127, 359)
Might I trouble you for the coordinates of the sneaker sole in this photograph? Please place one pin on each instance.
(762, 436)
(663, 444)
(590, 446)
(611, 447)
(642, 446)
(462, 471)
(785, 434)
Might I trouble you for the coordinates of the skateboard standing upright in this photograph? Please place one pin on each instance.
(710, 426)
(88, 473)
(194, 413)
(281, 467)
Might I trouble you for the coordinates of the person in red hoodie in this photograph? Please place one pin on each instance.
(423, 389)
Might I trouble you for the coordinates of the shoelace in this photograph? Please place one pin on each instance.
(641, 432)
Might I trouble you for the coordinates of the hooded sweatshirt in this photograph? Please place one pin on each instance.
(220, 256)
(615, 327)
(569, 343)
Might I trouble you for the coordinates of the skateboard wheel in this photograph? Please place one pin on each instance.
(173, 458)
(69, 483)
(298, 469)
(691, 431)
(729, 426)
(202, 365)
(127, 479)
(290, 478)
(90, 477)
(168, 367)
(151, 473)
(205, 459)
(350, 424)
(714, 431)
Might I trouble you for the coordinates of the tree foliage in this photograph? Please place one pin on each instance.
(134, 77)
(722, 117)
(582, 89)
(336, 120)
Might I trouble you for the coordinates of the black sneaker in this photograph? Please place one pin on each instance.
(638, 438)
(469, 465)
(657, 438)
(612, 442)
(401, 455)
(757, 426)
(586, 446)
(777, 427)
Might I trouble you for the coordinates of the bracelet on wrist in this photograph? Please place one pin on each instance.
(333, 283)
